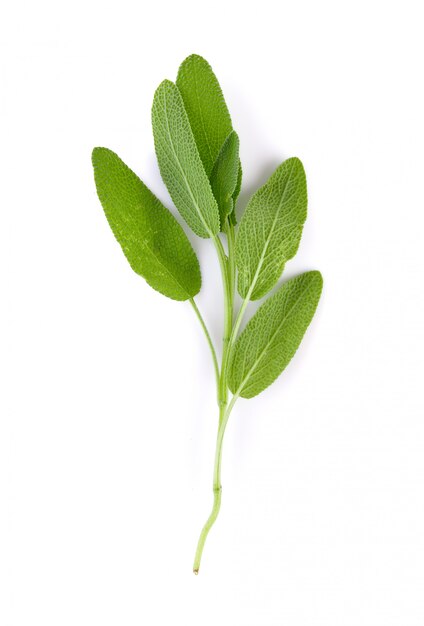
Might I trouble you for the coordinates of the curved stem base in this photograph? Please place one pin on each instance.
(206, 528)
(224, 414)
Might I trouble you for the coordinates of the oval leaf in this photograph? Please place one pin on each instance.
(270, 229)
(180, 164)
(224, 176)
(272, 336)
(154, 243)
(206, 108)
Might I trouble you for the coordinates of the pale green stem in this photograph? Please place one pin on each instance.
(231, 260)
(228, 278)
(232, 277)
(209, 340)
(233, 336)
(217, 487)
(228, 317)
(239, 320)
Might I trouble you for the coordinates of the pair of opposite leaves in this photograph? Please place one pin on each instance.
(198, 155)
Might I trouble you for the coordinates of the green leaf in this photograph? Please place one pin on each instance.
(154, 243)
(238, 184)
(206, 108)
(232, 217)
(273, 335)
(270, 230)
(180, 164)
(224, 176)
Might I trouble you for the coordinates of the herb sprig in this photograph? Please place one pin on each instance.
(198, 155)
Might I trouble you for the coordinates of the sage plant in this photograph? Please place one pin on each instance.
(198, 154)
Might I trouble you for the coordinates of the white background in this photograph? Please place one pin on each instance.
(108, 419)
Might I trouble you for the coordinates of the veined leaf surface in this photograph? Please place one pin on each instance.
(206, 108)
(270, 229)
(180, 164)
(224, 176)
(274, 333)
(154, 243)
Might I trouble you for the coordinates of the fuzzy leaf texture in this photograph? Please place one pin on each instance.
(273, 335)
(180, 164)
(238, 184)
(270, 229)
(225, 176)
(154, 243)
(232, 216)
(208, 113)
(206, 108)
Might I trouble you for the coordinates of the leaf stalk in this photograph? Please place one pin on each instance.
(209, 340)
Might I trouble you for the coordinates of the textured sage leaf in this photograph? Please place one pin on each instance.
(270, 229)
(224, 176)
(154, 243)
(180, 164)
(232, 217)
(238, 184)
(198, 155)
(206, 108)
(274, 333)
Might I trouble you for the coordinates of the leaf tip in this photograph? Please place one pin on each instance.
(295, 162)
(165, 84)
(318, 276)
(194, 58)
(99, 152)
(315, 278)
(233, 138)
(95, 153)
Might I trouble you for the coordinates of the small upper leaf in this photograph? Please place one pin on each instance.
(224, 176)
(206, 108)
(232, 217)
(270, 229)
(272, 336)
(180, 164)
(154, 243)
(238, 184)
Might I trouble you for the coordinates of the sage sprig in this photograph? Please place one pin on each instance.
(198, 154)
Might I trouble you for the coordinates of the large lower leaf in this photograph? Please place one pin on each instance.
(272, 336)
(205, 106)
(225, 176)
(154, 243)
(180, 164)
(270, 229)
